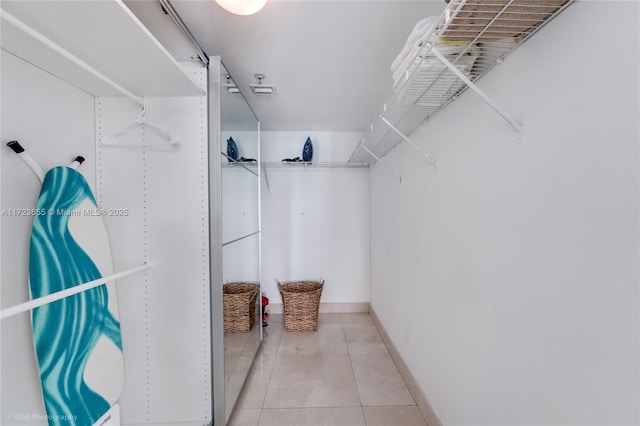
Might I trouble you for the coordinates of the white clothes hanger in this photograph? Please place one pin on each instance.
(168, 137)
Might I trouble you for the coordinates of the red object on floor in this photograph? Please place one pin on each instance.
(265, 302)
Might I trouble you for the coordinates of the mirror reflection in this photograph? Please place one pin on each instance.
(241, 239)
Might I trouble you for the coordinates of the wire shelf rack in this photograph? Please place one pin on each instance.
(464, 43)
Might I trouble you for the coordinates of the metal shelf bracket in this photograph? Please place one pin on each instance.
(266, 177)
(478, 91)
(398, 175)
(409, 141)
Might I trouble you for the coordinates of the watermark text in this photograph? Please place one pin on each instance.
(64, 212)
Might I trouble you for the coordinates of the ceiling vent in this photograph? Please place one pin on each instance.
(262, 89)
(230, 86)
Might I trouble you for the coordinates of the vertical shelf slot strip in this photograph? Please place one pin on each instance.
(428, 157)
(44, 300)
(476, 89)
(68, 55)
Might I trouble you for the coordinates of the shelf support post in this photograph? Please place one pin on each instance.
(476, 89)
(398, 175)
(409, 141)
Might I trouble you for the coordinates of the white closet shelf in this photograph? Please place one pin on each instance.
(82, 42)
(469, 38)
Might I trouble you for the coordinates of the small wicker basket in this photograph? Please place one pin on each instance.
(239, 306)
(301, 300)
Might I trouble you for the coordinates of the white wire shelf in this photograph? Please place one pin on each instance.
(464, 43)
(314, 165)
(239, 164)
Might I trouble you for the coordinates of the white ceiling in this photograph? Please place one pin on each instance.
(329, 59)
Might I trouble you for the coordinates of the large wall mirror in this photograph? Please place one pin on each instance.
(240, 192)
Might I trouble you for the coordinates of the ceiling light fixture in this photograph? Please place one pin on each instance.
(242, 7)
(262, 89)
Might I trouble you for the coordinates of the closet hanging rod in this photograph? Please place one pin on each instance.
(6, 16)
(170, 138)
(58, 295)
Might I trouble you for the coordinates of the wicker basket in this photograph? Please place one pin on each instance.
(239, 306)
(301, 300)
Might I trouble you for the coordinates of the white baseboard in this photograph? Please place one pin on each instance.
(329, 308)
(418, 395)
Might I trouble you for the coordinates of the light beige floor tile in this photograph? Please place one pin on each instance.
(378, 380)
(328, 339)
(253, 342)
(329, 319)
(323, 380)
(275, 321)
(356, 318)
(364, 339)
(242, 367)
(318, 388)
(232, 391)
(272, 334)
(237, 379)
(334, 416)
(234, 343)
(394, 416)
(245, 418)
(255, 389)
(229, 364)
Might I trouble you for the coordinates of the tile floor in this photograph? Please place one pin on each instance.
(341, 375)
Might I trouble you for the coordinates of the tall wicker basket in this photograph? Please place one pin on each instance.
(239, 306)
(301, 300)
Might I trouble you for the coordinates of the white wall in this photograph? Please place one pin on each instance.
(54, 133)
(508, 277)
(315, 221)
